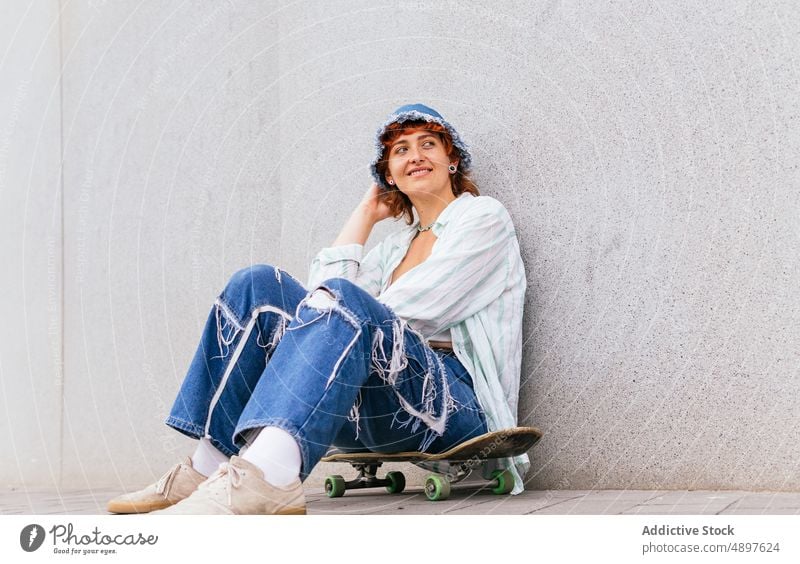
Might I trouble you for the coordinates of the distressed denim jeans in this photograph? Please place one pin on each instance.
(332, 367)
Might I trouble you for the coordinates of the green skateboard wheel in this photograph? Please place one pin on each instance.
(505, 482)
(398, 482)
(335, 486)
(437, 488)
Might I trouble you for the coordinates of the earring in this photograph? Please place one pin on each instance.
(452, 169)
(391, 182)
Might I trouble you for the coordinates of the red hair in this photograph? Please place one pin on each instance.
(398, 202)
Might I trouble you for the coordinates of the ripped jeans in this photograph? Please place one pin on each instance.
(332, 367)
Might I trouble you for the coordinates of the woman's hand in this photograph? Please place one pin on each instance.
(368, 212)
(374, 205)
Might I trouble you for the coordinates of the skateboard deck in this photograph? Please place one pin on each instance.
(497, 444)
(463, 458)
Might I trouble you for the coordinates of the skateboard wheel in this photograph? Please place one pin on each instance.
(335, 486)
(437, 488)
(505, 482)
(398, 482)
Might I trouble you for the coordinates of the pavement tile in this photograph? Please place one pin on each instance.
(756, 511)
(586, 507)
(675, 509)
(463, 502)
(776, 499)
(642, 496)
(696, 496)
(507, 506)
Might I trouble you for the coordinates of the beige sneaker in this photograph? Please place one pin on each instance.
(177, 484)
(239, 488)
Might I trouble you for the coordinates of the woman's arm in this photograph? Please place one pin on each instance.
(343, 258)
(368, 212)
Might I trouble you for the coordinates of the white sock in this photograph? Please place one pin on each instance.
(276, 453)
(207, 458)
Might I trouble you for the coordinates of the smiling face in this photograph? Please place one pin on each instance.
(417, 163)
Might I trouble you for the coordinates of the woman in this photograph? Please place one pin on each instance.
(414, 347)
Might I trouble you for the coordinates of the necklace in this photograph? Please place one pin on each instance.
(420, 229)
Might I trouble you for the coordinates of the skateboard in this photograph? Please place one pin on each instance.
(461, 460)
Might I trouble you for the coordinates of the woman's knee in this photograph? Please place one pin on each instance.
(342, 293)
(262, 285)
(254, 274)
(341, 288)
(256, 281)
(336, 291)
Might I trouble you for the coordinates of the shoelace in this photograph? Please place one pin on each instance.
(165, 482)
(234, 480)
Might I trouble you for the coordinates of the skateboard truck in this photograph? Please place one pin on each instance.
(394, 482)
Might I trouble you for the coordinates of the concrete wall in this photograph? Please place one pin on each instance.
(32, 379)
(646, 151)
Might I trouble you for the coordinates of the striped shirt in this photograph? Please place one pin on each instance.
(472, 285)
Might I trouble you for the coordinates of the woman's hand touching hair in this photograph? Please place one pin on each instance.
(371, 209)
(374, 203)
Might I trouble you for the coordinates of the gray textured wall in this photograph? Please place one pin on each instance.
(647, 152)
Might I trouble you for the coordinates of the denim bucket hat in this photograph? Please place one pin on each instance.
(417, 112)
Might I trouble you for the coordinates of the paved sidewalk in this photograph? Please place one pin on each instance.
(464, 502)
